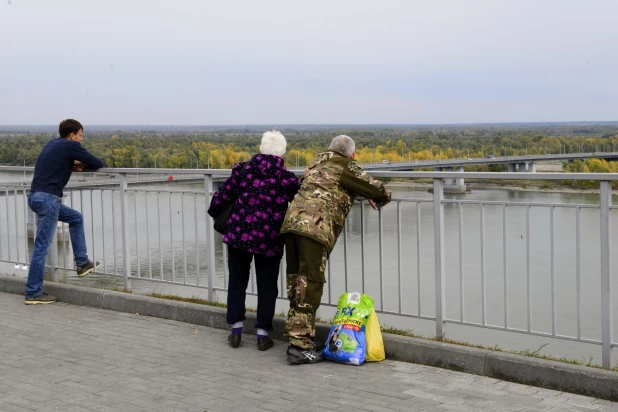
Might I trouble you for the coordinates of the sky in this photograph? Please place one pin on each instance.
(202, 62)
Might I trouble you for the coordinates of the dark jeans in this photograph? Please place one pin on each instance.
(267, 273)
(49, 210)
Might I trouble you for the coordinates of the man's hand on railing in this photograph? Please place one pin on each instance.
(374, 205)
(78, 166)
(378, 206)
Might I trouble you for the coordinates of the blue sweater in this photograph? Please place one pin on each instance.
(55, 163)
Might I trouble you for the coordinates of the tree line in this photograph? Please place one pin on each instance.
(223, 148)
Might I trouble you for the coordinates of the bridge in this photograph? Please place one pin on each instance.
(160, 238)
(525, 163)
(515, 163)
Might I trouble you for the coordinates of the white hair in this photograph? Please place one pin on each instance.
(344, 145)
(273, 143)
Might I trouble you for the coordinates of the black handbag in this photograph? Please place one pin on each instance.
(223, 216)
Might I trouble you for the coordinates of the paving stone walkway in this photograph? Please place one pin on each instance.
(68, 358)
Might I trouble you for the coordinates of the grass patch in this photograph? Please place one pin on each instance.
(108, 285)
(402, 332)
(193, 299)
(495, 348)
(117, 289)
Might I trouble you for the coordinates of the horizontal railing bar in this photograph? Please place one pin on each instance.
(497, 175)
(394, 199)
(16, 262)
(19, 188)
(142, 190)
(146, 279)
(376, 173)
(523, 331)
(184, 191)
(408, 199)
(129, 170)
(403, 199)
(521, 204)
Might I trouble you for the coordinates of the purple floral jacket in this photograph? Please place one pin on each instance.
(263, 193)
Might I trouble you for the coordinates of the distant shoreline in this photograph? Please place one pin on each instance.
(257, 128)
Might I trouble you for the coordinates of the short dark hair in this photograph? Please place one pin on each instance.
(69, 126)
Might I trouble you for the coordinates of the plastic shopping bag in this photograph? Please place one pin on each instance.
(373, 336)
(346, 341)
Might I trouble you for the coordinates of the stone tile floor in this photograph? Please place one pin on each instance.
(68, 358)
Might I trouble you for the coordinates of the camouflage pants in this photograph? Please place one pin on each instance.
(306, 262)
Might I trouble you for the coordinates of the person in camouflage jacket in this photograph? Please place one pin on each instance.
(311, 227)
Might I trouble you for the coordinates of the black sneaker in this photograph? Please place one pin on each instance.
(234, 339)
(42, 299)
(264, 343)
(86, 269)
(299, 356)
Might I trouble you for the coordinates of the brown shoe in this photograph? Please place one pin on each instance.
(42, 299)
(86, 269)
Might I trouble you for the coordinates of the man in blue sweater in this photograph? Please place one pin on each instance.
(52, 171)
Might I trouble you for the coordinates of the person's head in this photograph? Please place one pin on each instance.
(344, 145)
(71, 129)
(273, 143)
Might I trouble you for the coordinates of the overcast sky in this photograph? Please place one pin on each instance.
(287, 62)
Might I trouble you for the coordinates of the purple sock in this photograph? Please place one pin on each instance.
(237, 331)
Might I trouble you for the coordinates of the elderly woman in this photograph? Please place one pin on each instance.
(264, 187)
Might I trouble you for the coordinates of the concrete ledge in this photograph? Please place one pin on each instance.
(210, 316)
(9, 284)
(441, 355)
(521, 369)
(120, 302)
(75, 294)
(565, 377)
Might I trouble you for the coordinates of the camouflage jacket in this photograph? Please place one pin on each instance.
(326, 196)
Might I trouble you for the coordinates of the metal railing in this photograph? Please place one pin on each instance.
(163, 234)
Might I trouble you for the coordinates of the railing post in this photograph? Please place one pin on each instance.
(606, 281)
(210, 240)
(438, 234)
(53, 259)
(126, 254)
